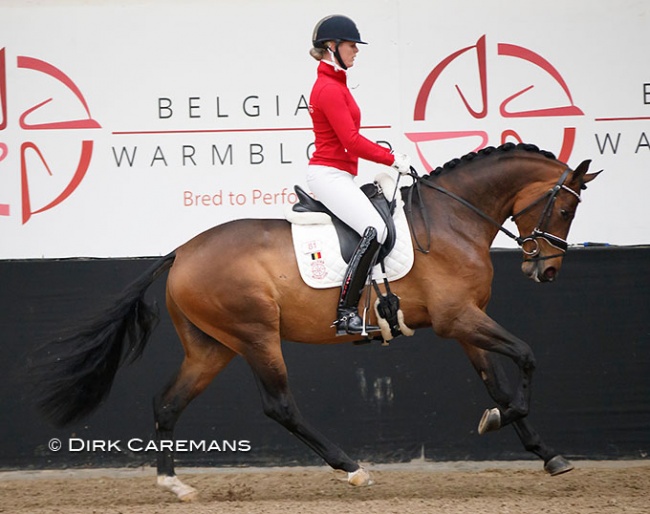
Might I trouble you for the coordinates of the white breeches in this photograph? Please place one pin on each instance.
(341, 195)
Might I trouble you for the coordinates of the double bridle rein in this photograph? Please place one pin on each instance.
(539, 232)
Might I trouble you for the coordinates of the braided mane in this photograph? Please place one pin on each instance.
(506, 147)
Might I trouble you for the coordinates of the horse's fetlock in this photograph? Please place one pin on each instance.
(531, 362)
(520, 411)
(528, 364)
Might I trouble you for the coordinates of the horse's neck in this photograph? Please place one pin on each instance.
(492, 186)
(492, 190)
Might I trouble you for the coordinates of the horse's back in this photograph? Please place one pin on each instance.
(236, 235)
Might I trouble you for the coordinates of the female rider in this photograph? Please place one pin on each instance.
(333, 166)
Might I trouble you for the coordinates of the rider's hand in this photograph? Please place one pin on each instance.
(402, 163)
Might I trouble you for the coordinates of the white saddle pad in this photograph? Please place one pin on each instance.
(319, 255)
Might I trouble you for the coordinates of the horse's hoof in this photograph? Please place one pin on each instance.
(557, 465)
(184, 492)
(189, 496)
(490, 421)
(359, 478)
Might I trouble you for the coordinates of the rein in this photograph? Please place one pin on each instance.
(539, 232)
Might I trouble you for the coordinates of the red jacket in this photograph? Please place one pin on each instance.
(336, 119)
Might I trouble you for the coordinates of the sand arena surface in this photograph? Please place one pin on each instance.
(463, 488)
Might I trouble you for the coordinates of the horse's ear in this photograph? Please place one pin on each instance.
(581, 176)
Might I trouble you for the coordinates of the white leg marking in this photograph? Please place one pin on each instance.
(184, 492)
(360, 477)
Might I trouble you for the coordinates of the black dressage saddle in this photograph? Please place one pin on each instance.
(348, 237)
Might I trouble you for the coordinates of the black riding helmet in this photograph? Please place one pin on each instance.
(336, 28)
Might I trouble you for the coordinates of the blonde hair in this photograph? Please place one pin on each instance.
(318, 53)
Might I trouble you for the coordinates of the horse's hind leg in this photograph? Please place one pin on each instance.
(496, 382)
(278, 403)
(204, 358)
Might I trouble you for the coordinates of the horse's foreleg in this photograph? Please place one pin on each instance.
(496, 383)
(476, 331)
(278, 403)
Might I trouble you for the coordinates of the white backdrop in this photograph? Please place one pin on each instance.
(167, 118)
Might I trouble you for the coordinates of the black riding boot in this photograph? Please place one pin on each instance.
(356, 276)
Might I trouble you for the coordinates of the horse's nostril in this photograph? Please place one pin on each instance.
(550, 273)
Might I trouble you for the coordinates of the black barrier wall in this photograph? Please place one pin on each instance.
(418, 397)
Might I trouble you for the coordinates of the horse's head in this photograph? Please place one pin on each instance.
(544, 219)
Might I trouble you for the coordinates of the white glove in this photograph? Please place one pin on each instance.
(402, 163)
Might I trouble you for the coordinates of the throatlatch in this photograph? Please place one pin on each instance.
(356, 276)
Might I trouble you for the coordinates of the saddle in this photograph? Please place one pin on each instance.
(324, 245)
(348, 237)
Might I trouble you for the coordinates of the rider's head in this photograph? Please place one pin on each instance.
(337, 36)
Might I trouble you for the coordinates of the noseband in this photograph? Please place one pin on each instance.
(539, 232)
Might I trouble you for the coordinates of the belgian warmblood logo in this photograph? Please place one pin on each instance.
(506, 111)
(28, 145)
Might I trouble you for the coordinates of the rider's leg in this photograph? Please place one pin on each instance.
(354, 281)
(338, 191)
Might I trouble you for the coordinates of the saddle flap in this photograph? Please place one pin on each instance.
(317, 249)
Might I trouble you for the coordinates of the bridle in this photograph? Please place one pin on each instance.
(539, 232)
(540, 229)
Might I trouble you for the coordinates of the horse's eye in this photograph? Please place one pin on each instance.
(566, 215)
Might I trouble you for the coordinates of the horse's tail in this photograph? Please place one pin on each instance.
(74, 373)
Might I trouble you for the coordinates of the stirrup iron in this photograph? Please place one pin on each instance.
(350, 323)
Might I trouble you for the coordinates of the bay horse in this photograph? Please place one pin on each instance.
(235, 290)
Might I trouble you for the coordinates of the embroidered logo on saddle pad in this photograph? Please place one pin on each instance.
(318, 251)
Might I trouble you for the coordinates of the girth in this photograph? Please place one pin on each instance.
(348, 237)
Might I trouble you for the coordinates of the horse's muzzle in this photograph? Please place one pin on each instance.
(539, 270)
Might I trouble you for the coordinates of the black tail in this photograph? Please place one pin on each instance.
(73, 374)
